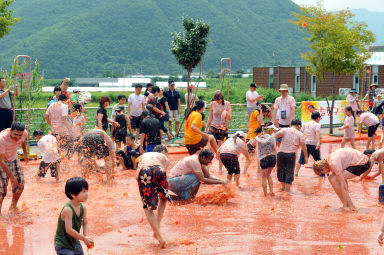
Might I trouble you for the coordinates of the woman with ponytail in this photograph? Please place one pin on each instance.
(229, 152)
(194, 138)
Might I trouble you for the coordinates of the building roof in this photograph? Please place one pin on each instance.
(377, 58)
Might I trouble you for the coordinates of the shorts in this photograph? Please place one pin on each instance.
(359, 170)
(193, 148)
(231, 162)
(17, 171)
(278, 140)
(285, 167)
(251, 148)
(127, 157)
(135, 121)
(183, 185)
(65, 251)
(174, 114)
(268, 162)
(372, 130)
(311, 149)
(371, 104)
(150, 147)
(250, 111)
(120, 137)
(219, 134)
(153, 184)
(349, 134)
(43, 168)
(93, 145)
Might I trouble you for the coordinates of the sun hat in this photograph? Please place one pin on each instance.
(373, 84)
(283, 87)
(353, 91)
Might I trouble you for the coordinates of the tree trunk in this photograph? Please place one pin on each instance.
(333, 103)
(188, 105)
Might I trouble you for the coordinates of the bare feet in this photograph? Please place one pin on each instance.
(162, 243)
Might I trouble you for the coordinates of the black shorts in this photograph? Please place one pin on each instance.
(219, 134)
(268, 162)
(43, 168)
(120, 136)
(372, 130)
(127, 157)
(251, 148)
(93, 145)
(193, 148)
(311, 149)
(359, 170)
(135, 122)
(285, 167)
(231, 162)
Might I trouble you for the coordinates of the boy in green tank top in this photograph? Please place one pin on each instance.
(72, 217)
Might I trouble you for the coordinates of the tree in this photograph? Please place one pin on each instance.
(190, 46)
(6, 18)
(337, 42)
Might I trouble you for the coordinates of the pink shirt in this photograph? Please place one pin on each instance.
(8, 146)
(291, 140)
(188, 165)
(229, 146)
(343, 158)
(217, 111)
(349, 122)
(309, 129)
(58, 113)
(77, 126)
(286, 105)
(369, 119)
(352, 102)
(149, 159)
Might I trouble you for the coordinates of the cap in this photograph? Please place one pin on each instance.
(120, 108)
(353, 91)
(76, 90)
(171, 82)
(271, 127)
(253, 85)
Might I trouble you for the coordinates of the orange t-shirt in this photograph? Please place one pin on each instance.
(190, 136)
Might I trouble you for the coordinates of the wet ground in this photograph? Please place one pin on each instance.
(306, 222)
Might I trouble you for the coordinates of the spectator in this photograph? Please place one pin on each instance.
(150, 132)
(75, 97)
(353, 101)
(121, 99)
(6, 113)
(173, 98)
(57, 92)
(192, 97)
(136, 103)
(252, 97)
(10, 168)
(148, 90)
(64, 90)
(120, 133)
(102, 115)
(371, 94)
(163, 116)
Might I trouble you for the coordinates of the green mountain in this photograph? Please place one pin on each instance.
(375, 22)
(88, 37)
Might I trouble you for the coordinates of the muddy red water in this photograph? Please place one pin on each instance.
(306, 222)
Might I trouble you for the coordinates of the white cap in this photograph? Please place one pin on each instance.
(271, 127)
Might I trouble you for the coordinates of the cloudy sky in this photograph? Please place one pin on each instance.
(372, 5)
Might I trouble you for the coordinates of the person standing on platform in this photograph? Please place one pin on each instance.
(6, 113)
(174, 103)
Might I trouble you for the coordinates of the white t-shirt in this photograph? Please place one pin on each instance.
(292, 139)
(285, 105)
(251, 96)
(309, 129)
(369, 119)
(56, 112)
(137, 102)
(77, 126)
(48, 147)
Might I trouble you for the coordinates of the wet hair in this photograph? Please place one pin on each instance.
(348, 109)
(236, 136)
(74, 186)
(77, 107)
(311, 106)
(121, 97)
(260, 128)
(103, 99)
(145, 114)
(319, 165)
(205, 154)
(155, 89)
(217, 95)
(62, 97)
(296, 122)
(132, 137)
(160, 148)
(38, 133)
(359, 112)
(57, 88)
(315, 115)
(198, 105)
(17, 125)
(265, 108)
(368, 152)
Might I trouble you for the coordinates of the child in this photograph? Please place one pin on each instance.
(152, 179)
(131, 152)
(50, 154)
(266, 144)
(292, 140)
(78, 122)
(119, 133)
(228, 154)
(311, 108)
(349, 134)
(121, 99)
(372, 122)
(71, 218)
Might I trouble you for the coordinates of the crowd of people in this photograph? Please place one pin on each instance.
(137, 126)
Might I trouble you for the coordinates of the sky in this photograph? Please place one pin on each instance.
(372, 5)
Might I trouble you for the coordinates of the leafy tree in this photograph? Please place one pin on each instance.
(338, 44)
(190, 46)
(6, 18)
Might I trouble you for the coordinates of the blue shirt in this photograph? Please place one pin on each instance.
(172, 98)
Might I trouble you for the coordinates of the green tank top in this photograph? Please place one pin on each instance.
(62, 238)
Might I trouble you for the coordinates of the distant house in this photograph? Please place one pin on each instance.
(299, 80)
